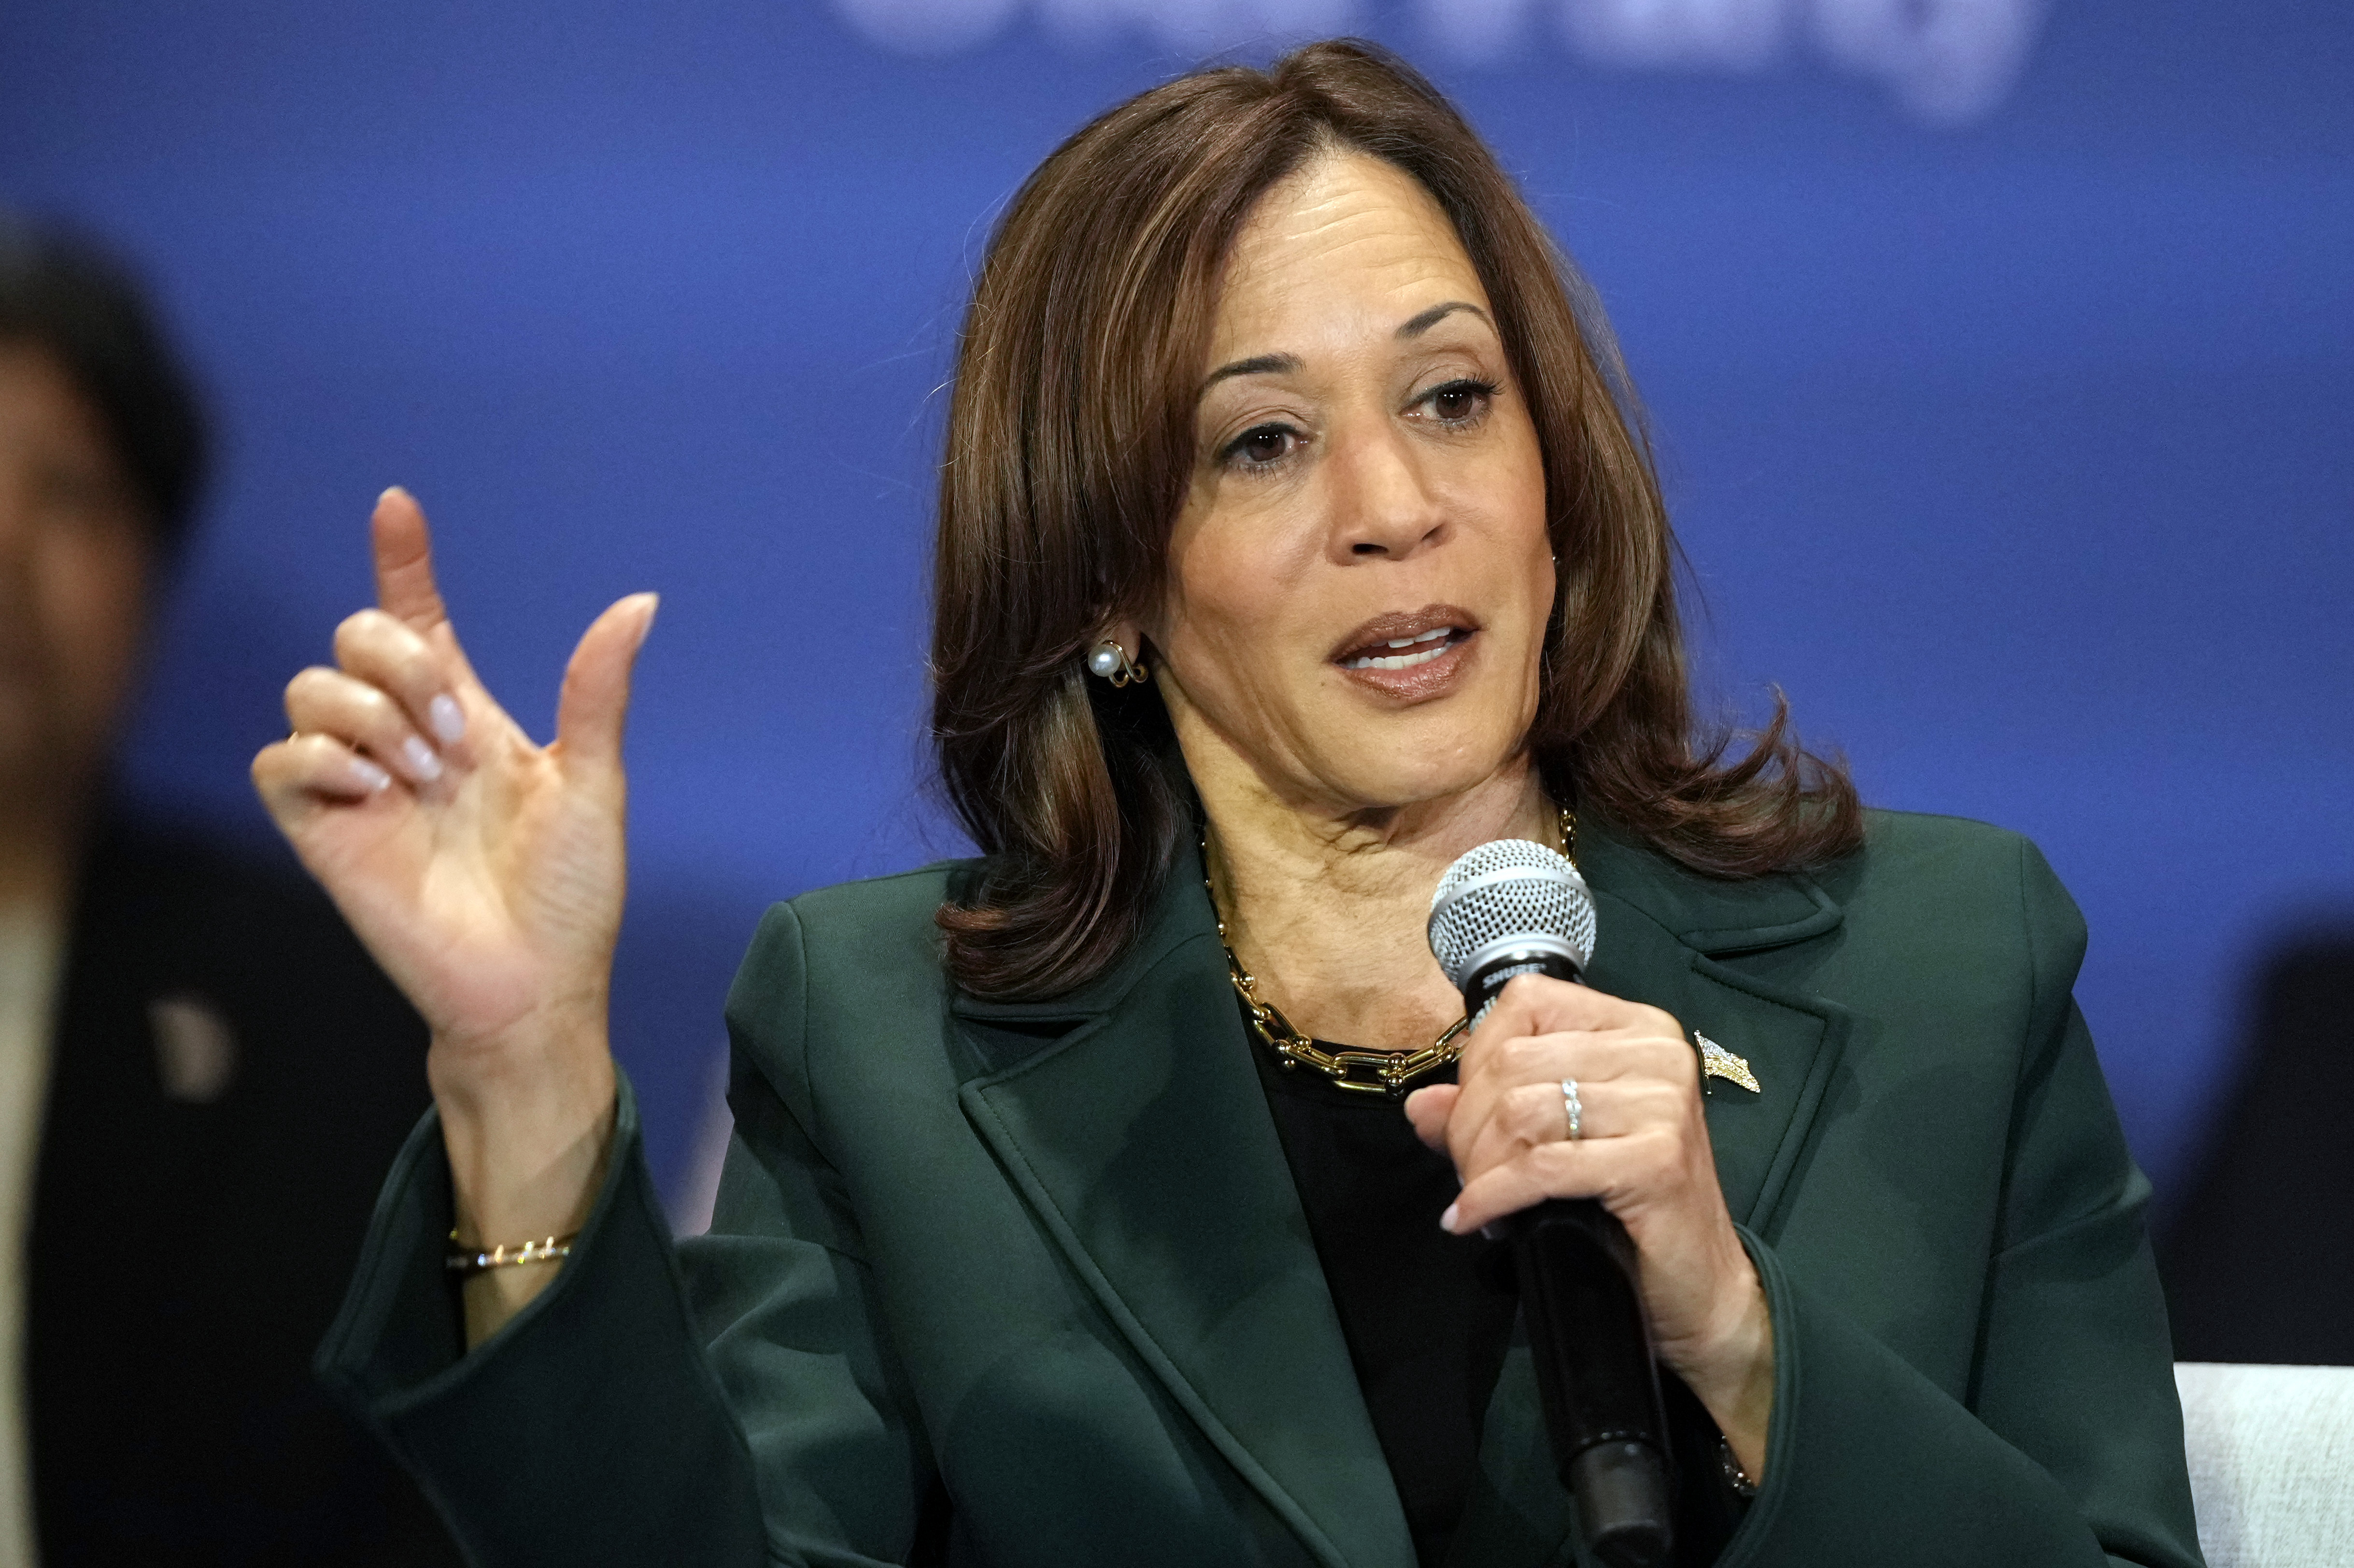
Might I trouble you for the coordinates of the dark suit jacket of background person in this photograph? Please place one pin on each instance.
(186, 1253)
(1030, 1284)
(2259, 1260)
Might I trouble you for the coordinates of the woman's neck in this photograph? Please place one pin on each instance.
(1325, 907)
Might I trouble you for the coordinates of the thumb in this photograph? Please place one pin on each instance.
(1428, 1109)
(596, 696)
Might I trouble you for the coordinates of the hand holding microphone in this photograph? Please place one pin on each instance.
(1520, 932)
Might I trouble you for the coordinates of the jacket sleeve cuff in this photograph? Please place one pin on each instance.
(1868, 1462)
(533, 1445)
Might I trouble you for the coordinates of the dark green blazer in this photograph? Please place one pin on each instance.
(1029, 1284)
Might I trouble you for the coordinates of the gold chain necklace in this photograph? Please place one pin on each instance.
(1360, 1072)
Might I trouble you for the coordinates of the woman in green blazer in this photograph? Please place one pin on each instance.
(1294, 541)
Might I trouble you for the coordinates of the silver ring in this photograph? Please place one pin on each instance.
(1569, 1102)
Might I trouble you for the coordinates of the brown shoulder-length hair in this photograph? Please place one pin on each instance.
(1070, 447)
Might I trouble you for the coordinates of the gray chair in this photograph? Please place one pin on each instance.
(2272, 1463)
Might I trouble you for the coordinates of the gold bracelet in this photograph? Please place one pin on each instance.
(466, 1264)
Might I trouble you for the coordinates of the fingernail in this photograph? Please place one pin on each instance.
(449, 720)
(1446, 1220)
(367, 775)
(421, 760)
(389, 492)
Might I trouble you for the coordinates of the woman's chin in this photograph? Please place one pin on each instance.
(1426, 771)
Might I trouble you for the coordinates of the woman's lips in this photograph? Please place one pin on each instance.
(1389, 635)
(1409, 656)
(1406, 652)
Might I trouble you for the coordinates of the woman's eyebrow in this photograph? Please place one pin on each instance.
(1283, 364)
(1264, 365)
(1416, 325)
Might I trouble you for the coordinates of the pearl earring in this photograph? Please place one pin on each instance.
(1111, 661)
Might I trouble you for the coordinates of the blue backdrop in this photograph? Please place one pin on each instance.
(1999, 351)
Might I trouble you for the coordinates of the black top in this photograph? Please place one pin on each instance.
(1427, 1315)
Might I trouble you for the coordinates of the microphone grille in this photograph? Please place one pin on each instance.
(1509, 888)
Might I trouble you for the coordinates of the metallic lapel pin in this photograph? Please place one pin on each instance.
(1716, 1062)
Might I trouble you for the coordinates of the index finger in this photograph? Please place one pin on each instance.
(405, 588)
(1540, 1004)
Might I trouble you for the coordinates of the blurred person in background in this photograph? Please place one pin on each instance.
(201, 1074)
(2258, 1256)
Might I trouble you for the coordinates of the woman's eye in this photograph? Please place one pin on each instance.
(1460, 402)
(1263, 446)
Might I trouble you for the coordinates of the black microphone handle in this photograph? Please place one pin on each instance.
(1596, 1377)
(1590, 1340)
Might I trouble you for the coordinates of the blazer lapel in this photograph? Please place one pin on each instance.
(1758, 1138)
(1674, 939)
(1143, 1140)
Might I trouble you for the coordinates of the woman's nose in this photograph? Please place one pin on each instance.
(1383, 504)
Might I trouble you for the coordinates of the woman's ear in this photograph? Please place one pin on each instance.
(1127, 635)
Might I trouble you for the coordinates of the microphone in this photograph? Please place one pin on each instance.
(1511, 907)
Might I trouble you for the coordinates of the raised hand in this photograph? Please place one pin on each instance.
(485, 872)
